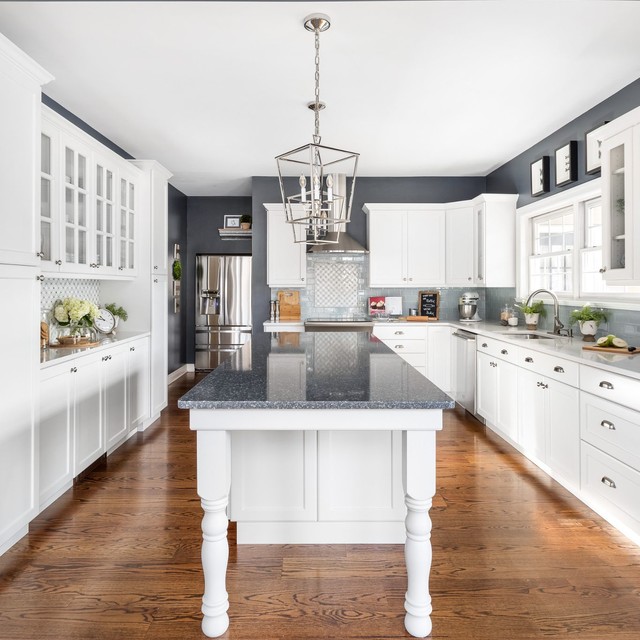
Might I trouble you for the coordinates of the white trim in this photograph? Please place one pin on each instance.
(321, 532)
(584, 191)
(13, 54)
(178, 373)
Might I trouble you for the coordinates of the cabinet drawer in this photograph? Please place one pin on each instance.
(611, 386)
(399, 331)
(497, 348)
(615, 485)
(610, 427)
(550, 366)
(402, 346)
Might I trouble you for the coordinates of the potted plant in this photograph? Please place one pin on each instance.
(118, 312)
(245, 221)
(532, 313)
(588, 320)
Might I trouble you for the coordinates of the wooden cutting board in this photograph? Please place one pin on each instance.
(289, 305)
(420, 319)
(620, 352)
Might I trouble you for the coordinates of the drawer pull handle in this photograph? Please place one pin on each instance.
(528, 359)
(132, 348)
(608, 482)
(542, 385)
(74, 369)
(608, 425)
(399, 346)
(493, 364)
(558, 369)
(484, 344)
(504, 352)
(399, 333)
(606, 385)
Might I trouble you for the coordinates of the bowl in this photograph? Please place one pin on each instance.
(467, 311)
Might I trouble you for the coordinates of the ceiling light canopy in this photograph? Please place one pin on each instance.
(319, 204)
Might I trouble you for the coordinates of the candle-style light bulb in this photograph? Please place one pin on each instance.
(329, 182)
(302, 181)
(316, 187)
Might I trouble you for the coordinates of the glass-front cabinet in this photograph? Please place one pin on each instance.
(87, 204)
(618, 207)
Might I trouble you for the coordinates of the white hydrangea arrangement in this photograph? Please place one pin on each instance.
(75, 313)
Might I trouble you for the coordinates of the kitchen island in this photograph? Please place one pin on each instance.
(340, 391)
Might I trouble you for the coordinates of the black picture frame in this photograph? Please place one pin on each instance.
(429, 304)
(231, 222)
(540, 176)
(566, 163)
(592, 152)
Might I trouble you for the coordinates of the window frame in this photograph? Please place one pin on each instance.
(575, 198)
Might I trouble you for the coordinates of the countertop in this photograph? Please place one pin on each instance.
(570, 348)
(56, 355)
(340, 373)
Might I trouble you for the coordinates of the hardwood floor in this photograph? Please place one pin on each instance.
(515, 557)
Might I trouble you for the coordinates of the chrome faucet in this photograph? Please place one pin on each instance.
(557, 325)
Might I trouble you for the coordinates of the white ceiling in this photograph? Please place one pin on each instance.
(215, 90)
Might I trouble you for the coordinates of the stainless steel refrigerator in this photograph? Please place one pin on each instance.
(223, 308)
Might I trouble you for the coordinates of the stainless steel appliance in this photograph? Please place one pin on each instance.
(223, 308)
(464, 369)
(468, 307)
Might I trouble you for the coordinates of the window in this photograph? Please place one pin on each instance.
(562, 249)
(551, 259)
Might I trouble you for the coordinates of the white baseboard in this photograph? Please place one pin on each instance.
(321, 532)
(178, 373)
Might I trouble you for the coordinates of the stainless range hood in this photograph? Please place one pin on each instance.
(345, 244)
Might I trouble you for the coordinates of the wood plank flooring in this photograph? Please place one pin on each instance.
(515, 557)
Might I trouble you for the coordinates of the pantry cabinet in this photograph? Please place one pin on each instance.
(286, 259)
(406, 245)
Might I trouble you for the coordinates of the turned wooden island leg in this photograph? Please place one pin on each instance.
(214, 476)
(419, 475)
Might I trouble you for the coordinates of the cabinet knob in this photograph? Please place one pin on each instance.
(40, 254)
(504, 352)
(484, 344)
(479, 277)
(493, 364)
(155, 279)
(58, 262)
(558, 369)
(469, 278)
(606, 385)
(74, 369)
(608, 425)
(132, 348)
(602, 269)
(93, 265)
(410, 279)
(120, 268)
(155, 266)
(528, 359)
(41, 278)
(302, 279)
(608, 482)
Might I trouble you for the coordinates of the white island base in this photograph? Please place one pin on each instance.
(214, 456)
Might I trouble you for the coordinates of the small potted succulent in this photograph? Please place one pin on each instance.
(588, 320)
(532, 313)
(245, 221)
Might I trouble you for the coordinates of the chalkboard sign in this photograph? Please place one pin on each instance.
(429, 304)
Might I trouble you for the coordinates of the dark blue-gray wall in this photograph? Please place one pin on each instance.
(205, 215)
(514, 176)
(177, 234)
(266, 189)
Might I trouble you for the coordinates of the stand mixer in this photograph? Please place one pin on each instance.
(468, 307)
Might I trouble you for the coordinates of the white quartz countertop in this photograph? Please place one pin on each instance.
(57, 355)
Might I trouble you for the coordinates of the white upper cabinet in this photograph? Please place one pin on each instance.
(88, 204)
(480, 245)
(406, 245)
(21, 80)
(286, 259)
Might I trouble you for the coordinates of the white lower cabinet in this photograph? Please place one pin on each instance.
(496, 394)
(549, 424)
(286, 376)
(138, 387)
(439, 356)
(409, 342)
(159, 354)
(114, 394)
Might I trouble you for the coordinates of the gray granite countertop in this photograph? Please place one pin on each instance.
(343, 370)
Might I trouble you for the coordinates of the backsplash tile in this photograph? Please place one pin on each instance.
(59, 288)
(328, 275)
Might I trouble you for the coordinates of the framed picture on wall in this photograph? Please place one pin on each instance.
(232, 222)
(540, 176)
(567, 163)
(592, 150)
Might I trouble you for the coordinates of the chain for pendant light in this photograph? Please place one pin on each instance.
(316, 136)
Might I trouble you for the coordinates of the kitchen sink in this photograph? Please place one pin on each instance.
(532, 336)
